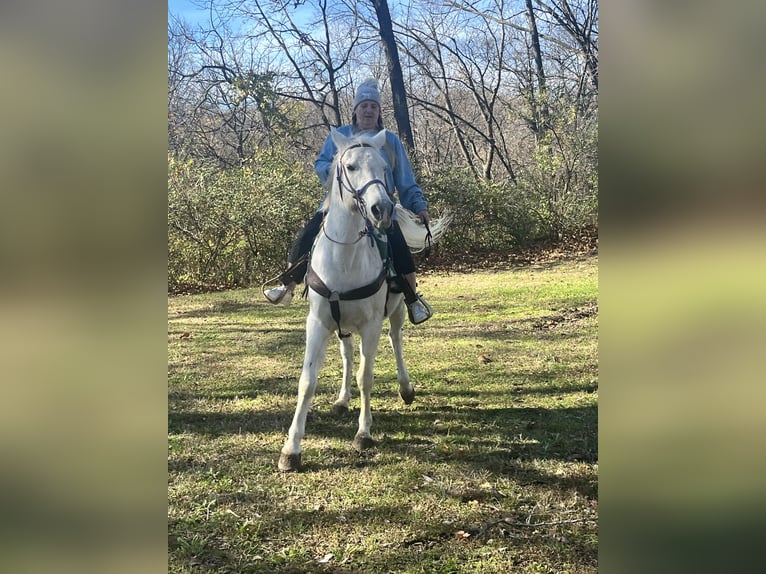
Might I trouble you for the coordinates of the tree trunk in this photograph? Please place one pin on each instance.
(541, 101)
(401, 113)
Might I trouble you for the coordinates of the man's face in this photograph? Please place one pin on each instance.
(367, 114)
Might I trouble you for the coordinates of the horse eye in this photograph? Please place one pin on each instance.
(351, 167)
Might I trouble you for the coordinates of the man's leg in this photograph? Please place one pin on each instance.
(297, 262)
(418, 309)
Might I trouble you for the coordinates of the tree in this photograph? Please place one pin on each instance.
(222, 97)
(468, 75)
(538, 103)
(314, 54)
(579, 19)
(398, 92)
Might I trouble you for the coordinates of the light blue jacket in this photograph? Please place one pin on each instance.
(401, 177)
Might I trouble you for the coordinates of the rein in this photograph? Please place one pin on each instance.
(366, 231)
(429, 240)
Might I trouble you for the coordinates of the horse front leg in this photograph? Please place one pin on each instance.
(340, 406)
(316, 346)
(396, 322)
(364, 379)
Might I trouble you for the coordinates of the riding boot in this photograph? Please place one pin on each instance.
(299, 262)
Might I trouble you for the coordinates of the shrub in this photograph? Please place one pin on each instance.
(233, 227)
(560, 182)
(489, 216)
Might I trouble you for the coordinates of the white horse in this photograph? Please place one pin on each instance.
(348, 288)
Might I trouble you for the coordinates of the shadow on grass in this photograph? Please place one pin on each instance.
(501, 441)
(216, 424)
(529, 329)
(318, 424)
(229, 307)
(424, 542)
(270, 340)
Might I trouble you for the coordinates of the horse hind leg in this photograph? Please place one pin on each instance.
(396, 323)
(340, 406)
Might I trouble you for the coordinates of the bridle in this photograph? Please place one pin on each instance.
(342, 177)
(315, 282)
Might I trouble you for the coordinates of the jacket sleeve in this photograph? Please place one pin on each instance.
(410, 195)
(323, 162)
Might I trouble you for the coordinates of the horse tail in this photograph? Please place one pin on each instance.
(414, 230)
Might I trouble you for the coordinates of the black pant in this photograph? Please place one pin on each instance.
(403, 262)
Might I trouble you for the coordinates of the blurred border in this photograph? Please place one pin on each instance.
(82, 288)
(682, 284)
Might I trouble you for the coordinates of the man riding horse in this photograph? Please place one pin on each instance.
(399, 176)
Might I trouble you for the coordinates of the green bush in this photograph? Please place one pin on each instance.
(233, 227)
(560, 180)
(488, 216)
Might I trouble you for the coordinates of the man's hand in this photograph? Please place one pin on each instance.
(424, 217)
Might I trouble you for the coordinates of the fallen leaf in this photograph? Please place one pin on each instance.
(484, 359)
(327, 558)
(185, 335)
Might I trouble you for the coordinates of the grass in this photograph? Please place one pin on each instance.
(502, 435)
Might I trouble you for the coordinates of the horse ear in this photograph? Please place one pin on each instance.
(338, 138)
(379, 139)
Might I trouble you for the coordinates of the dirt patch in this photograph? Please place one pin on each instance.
(545, 251)
(570, 315)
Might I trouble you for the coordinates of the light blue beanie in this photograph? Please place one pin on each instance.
(368, 90)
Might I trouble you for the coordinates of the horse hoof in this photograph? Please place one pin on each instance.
(363, 443)
(339, 410)
(407, 395)
(290, 462)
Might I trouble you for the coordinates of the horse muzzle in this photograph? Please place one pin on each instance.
(381, 214)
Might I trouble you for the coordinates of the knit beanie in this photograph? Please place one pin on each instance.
(368, 90)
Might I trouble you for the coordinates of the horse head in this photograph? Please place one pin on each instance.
(360, 170)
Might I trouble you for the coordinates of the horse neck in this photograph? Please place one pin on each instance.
(342, 253)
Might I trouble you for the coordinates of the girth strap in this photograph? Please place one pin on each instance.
(315, 282)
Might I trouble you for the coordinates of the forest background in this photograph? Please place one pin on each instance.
(496, 100)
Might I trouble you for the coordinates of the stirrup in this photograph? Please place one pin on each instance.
(278, 295)
(427, 311)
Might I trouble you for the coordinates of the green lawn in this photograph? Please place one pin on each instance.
(502, 435)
